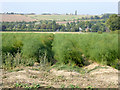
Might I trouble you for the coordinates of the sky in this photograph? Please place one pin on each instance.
(90, 7)
(59, 0)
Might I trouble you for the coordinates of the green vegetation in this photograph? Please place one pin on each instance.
(101, 48)
(52, 26)
(26, 49)
(113, 22)
(72, 86)
(72, 50)
(69, 68)
(27, 86)
(42, 26)
(76, 24)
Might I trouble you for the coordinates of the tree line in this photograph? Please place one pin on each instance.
(113, 23)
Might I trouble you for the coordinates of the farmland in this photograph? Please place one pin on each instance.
(44, 54)
(57, 17)
(48, 53)
(62, 44)
(16, 18)
(30, 18)
(102, 49)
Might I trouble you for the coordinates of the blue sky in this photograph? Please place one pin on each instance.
(91, 8)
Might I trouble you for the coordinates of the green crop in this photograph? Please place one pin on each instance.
(28, 48)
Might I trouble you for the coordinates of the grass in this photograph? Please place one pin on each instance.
(97, 67)
(16, 70)
(73, 86)
(36, 69)
(69, 68)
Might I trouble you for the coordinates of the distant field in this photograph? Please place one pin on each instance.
(18, 18)
(57, 17)
(61, 19)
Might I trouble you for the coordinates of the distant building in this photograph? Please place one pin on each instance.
(107, 29)
(57, 30)
(80, 29)
(76, 12)
(31, 14)
(71, 14)
(55, 14)
(87, 29)
(119, 8)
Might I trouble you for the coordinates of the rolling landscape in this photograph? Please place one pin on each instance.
(59, 50)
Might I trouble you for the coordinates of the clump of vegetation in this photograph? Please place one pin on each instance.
(28, 86)
(67, 51)
(101, 48)
(26, 49)
(99, 32)
(113, 23)
(70, 68)
(73, 86)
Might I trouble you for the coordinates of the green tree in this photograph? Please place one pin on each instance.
(3, 27)
(113, 23)
(97, 17)
(95, 28)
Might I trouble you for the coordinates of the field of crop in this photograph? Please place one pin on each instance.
(57, 17)
(18, 18)
(101, 48)
(65, 48)
(25, 48)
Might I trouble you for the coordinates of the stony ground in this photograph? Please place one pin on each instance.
(96, 77)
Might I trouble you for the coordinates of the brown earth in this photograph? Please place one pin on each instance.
(96, 76)
(14, 18)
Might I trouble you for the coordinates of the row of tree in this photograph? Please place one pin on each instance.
(53, 26)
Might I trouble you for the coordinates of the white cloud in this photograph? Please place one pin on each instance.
(59, 0)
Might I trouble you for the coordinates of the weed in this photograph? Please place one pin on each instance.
(62, 86)
(89, 87)
(33, 76)
(24, 85)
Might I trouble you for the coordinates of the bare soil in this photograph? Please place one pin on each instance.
(97, 77)
(16, 18)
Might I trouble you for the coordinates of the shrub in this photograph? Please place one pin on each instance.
(99, 32)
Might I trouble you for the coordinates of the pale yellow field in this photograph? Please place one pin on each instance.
(57, 17)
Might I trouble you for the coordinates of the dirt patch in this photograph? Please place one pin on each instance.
(16, 18)
(63, 72)
(99, 77)
(91, 66)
